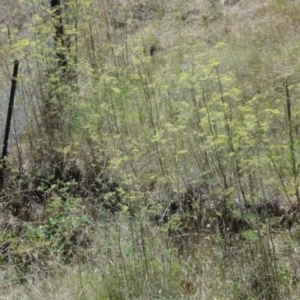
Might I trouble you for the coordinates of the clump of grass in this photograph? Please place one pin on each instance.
(133, 259)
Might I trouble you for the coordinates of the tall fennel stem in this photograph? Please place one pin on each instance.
(237, 171)
(219, 164)
(148, 101)
(291, 142)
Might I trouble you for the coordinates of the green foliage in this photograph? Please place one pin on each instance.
(146, 106)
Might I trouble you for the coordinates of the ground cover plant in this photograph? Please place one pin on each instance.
(157, 156)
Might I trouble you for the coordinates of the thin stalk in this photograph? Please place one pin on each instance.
(142, 231)
(291, 143)
(196, 104)
(237, 171)
(220, 166)
(121, 253)
(279, 175)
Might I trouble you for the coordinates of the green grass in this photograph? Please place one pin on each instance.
(120, 268)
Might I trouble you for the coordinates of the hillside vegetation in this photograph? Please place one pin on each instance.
(156, 150)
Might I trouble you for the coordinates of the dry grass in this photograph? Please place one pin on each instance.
(204, 270)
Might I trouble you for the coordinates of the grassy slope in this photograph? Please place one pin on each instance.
(207, 109)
